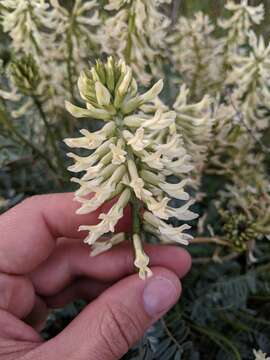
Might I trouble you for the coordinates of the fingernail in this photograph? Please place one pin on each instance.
(159, 295)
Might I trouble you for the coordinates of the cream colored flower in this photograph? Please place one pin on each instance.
(91, 140)
(243, 16)
(108, 221)
(153, 159)
(166, 232)
(160, 121)
(101, 246)
(118, 154)
(158, 208)
(141, 259)
(176, 190)
(137, 141)
(259, 355)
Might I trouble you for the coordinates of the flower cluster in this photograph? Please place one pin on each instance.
(25, 22)
(247, 204)
(243, 17)
(136, 32)
(250, 79)
(203, 59)
(58, 40)
(193, 51)
(195, 121)
(75, 35)
(132, 156)
(244, 203)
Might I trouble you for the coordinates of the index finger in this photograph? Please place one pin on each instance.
(28, 231)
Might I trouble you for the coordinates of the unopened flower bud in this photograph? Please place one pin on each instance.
(102, 93)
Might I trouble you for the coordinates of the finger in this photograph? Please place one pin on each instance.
(17, 295)
(71, 260)
(14, 330)
(83, 289)
(111, 324)
(38, 315)
(28, 231)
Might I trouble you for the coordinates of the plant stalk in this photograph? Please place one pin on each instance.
(25, 141)
(50, 133)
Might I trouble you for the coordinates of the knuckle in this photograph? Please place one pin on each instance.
(118, 329)
(31, 200)
(13, 287)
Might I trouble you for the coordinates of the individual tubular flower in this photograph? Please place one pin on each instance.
(193, 52)
(130, 158)
(136, 33)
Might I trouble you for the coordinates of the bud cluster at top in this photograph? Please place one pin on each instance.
(110, 89)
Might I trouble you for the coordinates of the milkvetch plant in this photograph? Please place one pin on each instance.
(136, 31)
(135, 151)
(204, 138)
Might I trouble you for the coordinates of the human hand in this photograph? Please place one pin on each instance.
(44, 264)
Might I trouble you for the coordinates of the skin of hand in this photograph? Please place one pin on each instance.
(44, 264)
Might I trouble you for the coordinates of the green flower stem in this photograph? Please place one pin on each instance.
(135, 203)
(258, 298)
(136, 211)
(69, 64)
(170, 334)
(199, 68)
(251, 318)
(234, 323)
(8, 124)
(31, 11)
(207, 240)
(131, 28)
(50, 134)
(207, 260)
(263, 269)
(136, 221)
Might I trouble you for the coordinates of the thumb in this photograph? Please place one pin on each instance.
(110, 325)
